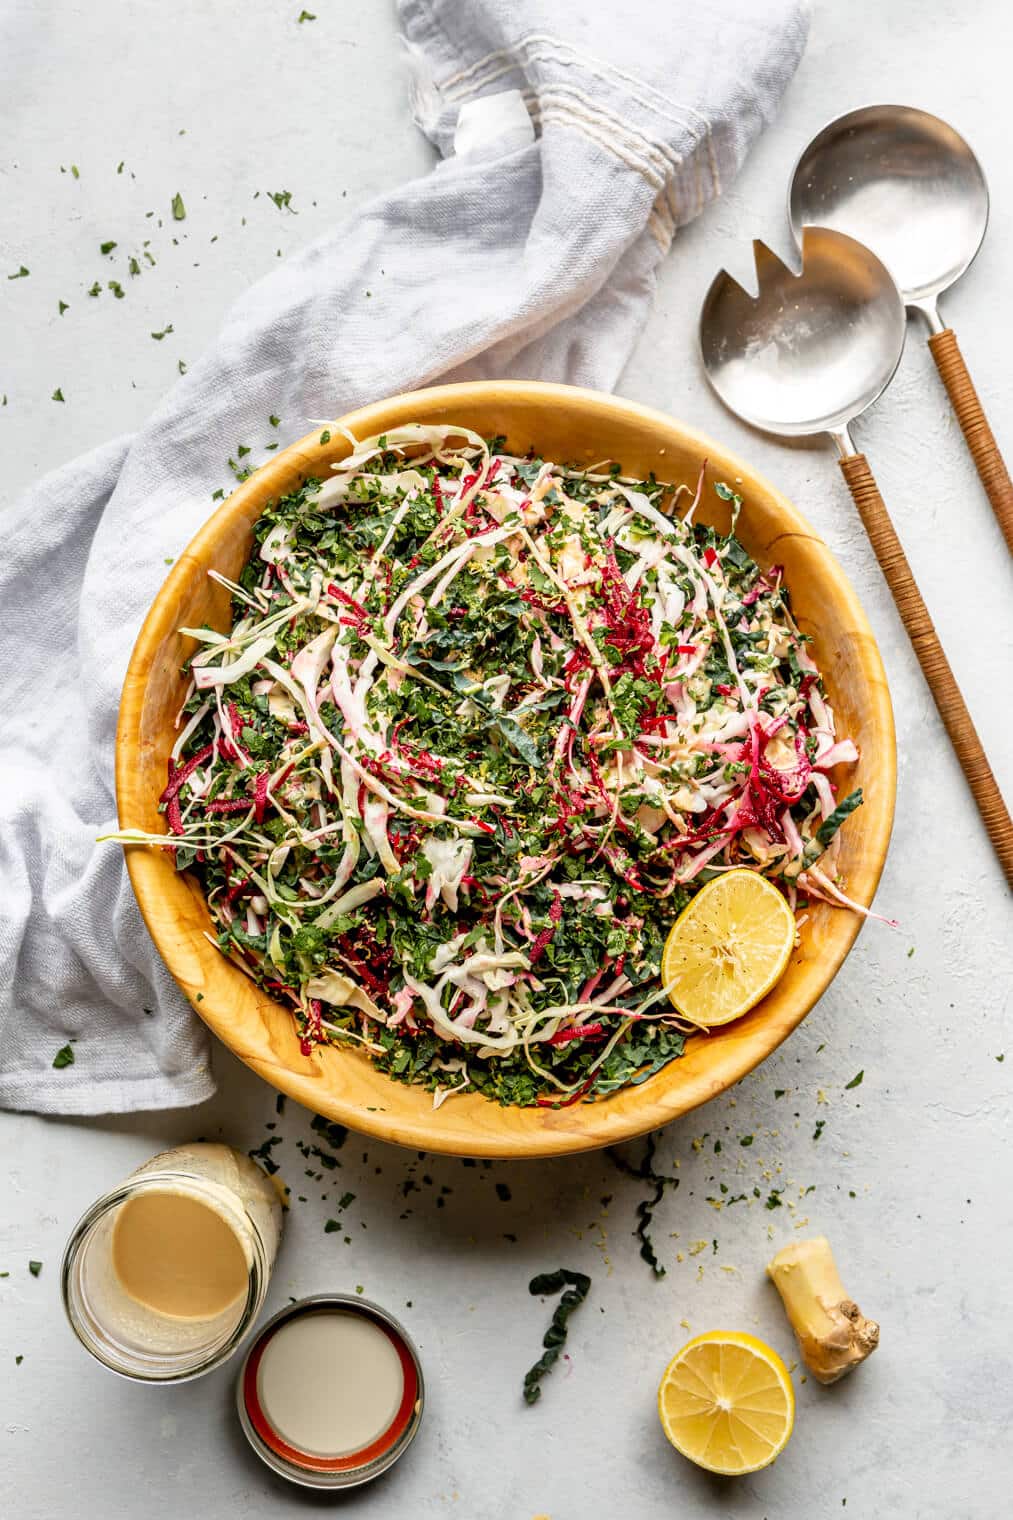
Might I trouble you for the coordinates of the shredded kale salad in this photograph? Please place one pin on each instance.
(482, 726)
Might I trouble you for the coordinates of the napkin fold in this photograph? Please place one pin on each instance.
(574, 143)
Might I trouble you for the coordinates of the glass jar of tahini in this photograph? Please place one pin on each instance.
(163, 1277)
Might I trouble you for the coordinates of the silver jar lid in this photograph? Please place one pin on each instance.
(348, 1470)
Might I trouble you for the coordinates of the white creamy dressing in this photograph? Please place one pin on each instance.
(330, 1382)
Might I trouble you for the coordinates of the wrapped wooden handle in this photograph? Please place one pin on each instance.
(988, 461)
(935, 666)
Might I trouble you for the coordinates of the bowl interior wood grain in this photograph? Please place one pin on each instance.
(572, 426)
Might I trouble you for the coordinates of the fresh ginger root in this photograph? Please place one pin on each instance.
(832, 1332)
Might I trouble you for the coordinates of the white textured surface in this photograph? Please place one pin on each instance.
(922, 1144)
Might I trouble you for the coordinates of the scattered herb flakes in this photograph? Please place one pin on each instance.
(133, 266)
(821, 1125)
(242, 451)
(555, 1337)
(181, 366)
(65, 1055)
(305, 16)
(96, 289)
(779, 1092)
(75, 171)
(647, 1206)
(21, 274)
(218, 495)
(35, 1267)
(333, 1134)
(18, 1360)
(262, 1154)
(325, 436)
(150, 257)
(359, 1288)
(178, 209)
(57, 395)
(279, 1104)
(116, 288)
(107, 247)
(158, 336)
(274, 421)
(746, 1140)
(345, 1200)
(64, 306)
(281, 198)
(503, 1193)
(774, 1199)
(119, 166)
(911, 951)
(856, 1081)
(1002, 1057)
(330, 1226)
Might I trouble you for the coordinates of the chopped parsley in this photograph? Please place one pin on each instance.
(333, 1134)
(856, 1081)
(178, 209)
(64, 1056)
(263, 1156)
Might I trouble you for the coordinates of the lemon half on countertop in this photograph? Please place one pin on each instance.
(726, 1402)
(727, 948)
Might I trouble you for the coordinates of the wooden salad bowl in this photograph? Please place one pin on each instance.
(572, 426)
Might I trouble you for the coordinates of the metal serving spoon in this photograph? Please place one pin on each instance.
(908, 186)
(809, 354)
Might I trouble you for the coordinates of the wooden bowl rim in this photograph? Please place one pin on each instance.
(502, 1132)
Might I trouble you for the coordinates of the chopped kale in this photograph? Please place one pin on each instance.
(577, 1286)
